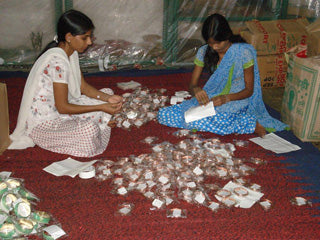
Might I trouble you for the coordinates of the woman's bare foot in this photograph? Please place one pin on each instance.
(260, 130)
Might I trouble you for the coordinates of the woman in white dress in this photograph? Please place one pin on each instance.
(59, 110)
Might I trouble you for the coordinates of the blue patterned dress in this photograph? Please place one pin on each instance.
(235, 116)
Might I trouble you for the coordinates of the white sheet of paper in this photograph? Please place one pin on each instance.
(68, 167)
(244, 202)
(199, 112)
(275, 143)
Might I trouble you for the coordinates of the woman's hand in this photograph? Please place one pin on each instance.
(115, 99)
(201, 96)
(220, 100)
(111, 108)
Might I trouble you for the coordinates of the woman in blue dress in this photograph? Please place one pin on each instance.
(234, 86)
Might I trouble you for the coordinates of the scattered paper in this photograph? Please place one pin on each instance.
(68, 167)
(128, 85)
(199, 112)
(242, 201)
(275, 143)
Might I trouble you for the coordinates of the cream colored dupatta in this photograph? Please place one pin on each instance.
(19, 138)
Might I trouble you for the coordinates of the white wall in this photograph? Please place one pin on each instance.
(18, 18)
(114, 19)
(123, 19)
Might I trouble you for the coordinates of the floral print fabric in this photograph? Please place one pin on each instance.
(45, 124)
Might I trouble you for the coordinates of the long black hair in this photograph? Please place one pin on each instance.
(72, 21)
(216, 27)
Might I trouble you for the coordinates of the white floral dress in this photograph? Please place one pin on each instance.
(82, 135)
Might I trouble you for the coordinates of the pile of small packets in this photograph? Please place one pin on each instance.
(174, 172)
(140, 107)
(18, 218)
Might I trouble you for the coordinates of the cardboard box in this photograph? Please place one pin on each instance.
(275, 37)
(301, 99)
(4, 118)
(273, 70)
(301, 10)
(313, 31)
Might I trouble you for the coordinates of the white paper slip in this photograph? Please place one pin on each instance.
(275, 143)
(54, 231)
(68, 167)
(199, 112)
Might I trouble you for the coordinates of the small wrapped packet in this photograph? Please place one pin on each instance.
(229, 201)
(240, 143)
(266, 204)
(176, 213)
(53, 232)
(257, 160)
(300, 201)
(124, 209)
(158, 203)
(255, 187)
(213, 206)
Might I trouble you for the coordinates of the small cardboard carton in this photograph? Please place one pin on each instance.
(4, 118)
(301, 100)
(273, 70)
(301, 10)
(313, 31)
(277, 36)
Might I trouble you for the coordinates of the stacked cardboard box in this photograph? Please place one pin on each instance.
(272, 39)
(301, 101)
(4, 118)
(313, 31)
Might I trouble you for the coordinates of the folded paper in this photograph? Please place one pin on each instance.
(68, 167)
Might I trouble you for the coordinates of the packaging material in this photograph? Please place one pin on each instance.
(313, 31)
(4, 118)
(273, 70)
(306, 8)
(300, 104)
(275, 37)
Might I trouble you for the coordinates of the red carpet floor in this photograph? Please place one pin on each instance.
(86, 208)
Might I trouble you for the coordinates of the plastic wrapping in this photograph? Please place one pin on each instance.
(133, 33)
(19, 217)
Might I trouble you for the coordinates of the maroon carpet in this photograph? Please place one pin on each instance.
(86, 208)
